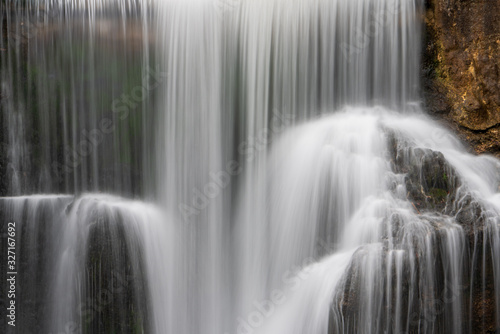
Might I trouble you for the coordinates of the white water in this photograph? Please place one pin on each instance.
(335, 191)
(139, 237)
(269, 199)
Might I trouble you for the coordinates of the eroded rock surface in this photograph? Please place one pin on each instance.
(461, 69)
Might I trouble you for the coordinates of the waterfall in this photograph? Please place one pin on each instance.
(92, 260)
(70, 126)
(236, 166)
(366, 191)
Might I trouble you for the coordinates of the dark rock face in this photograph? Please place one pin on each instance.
(429, 179)
(461, 69)
(118, 304)
(38, 101)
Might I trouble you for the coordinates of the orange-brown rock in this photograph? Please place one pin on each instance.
(461, 68)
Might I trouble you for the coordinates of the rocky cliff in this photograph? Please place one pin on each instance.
(461, 68)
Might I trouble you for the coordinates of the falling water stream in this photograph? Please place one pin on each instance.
(236, 166)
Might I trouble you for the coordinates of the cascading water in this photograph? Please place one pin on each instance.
(395, 218)
(101, 252)
(276, 171)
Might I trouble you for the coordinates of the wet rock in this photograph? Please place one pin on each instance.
(430, 181)
(115, 293)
